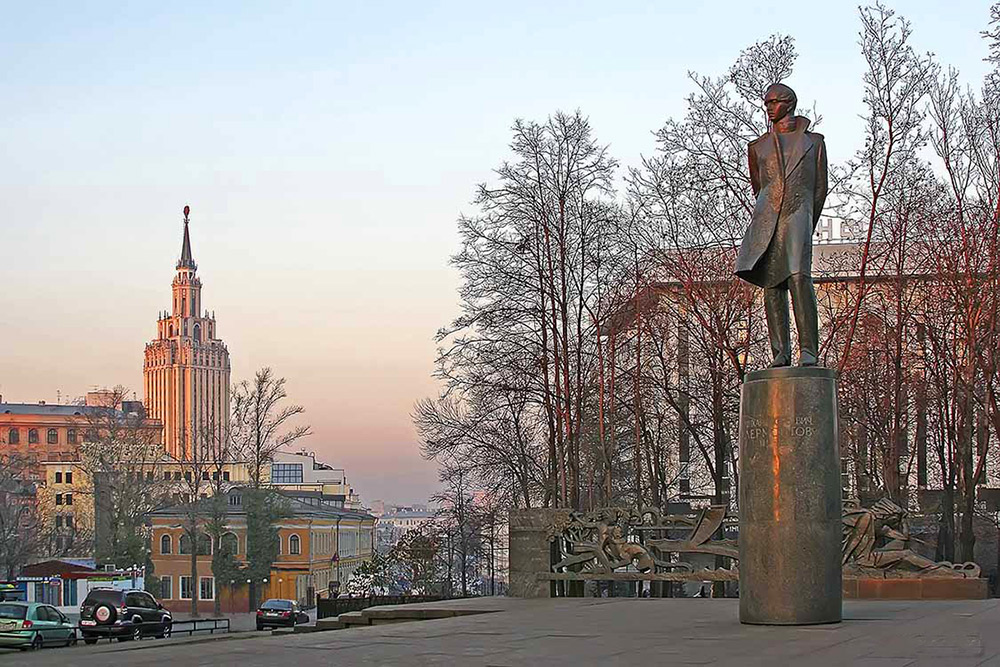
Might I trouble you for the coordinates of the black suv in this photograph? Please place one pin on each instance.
(128, 614)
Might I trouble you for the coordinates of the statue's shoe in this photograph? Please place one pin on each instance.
(808, 359)
(781, 361)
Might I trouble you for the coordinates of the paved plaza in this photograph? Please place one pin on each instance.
(594, 631)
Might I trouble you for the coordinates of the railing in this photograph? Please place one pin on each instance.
(328, 607)
(187, 627)
(200, 625)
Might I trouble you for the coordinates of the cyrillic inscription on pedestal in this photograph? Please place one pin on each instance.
(790, 512)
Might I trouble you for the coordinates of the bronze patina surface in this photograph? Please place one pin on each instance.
(788, 173)
(790, 505)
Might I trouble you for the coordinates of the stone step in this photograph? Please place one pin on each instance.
(353, 618)
(332, 623)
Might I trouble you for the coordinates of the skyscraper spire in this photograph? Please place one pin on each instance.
(186, 261)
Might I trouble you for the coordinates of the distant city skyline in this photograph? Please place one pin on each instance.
(326, 150)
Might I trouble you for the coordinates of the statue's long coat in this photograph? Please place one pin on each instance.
(790, 190)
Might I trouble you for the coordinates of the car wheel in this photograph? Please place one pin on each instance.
(90, 641)
(36, 642)
(164, 631)
(136, 631)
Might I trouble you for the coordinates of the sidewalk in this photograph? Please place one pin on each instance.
(608, 631)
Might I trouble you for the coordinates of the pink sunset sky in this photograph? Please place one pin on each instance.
(326, 150)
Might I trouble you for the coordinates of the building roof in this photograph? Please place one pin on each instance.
(412, 514)
(45, 409)
(301, 503)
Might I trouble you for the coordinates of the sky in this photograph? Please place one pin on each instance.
(326, 150)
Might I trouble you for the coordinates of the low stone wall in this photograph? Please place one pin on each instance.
(930, 588)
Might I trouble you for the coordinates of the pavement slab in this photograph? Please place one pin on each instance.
(599, 631)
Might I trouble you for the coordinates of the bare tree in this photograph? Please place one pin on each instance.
(259, 421)
(21, 532)
(120, 454)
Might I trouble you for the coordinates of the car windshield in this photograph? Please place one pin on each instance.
(95, 597)
(277, 604)
(13, 611)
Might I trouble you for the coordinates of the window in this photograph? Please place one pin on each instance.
(13, 436)
(149, 476)
(68, 498)
(204, 475)
(207, 588)
(286, 473)
(52, 437)
(58, 478)
(177, 475)
(166, 587)
(90, 435)
(71, 436)
(59, 521)
(69, 593)
(235, 500)
(215, 476)
(59, 499)
(166, 476)
(225, 476)
(184, 546)
(294, 545)
(185, 587)
(187, 476)
(230, 544)
(166, 544)
(32, 436)
(69, 477)
(204, 544)
(69, 520)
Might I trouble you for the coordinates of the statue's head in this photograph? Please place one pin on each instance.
(780, 101)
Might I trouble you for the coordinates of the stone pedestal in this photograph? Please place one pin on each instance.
(790, 498)
(531, 550)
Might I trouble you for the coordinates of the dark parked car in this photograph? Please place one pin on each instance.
(280, 614)
(128, 614)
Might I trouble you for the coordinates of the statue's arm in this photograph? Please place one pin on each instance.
(754, 170)
(822, 182)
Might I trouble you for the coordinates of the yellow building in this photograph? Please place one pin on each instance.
(320, 543)
(66, 497)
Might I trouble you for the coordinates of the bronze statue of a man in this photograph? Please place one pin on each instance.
(789, 179)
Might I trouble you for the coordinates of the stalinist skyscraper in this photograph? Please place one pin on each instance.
(186, 371)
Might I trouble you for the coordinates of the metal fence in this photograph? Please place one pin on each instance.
(328, 607)
(186, 627)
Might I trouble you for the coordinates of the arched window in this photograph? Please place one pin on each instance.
(32, 436)
(166, 544)
(294, 545)
(204, 544)
(197, 332)
(90, 435)
(184, 545)
(230, 544)
(71, 436)
(13, 436)
(52, 437)
(171, 330)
